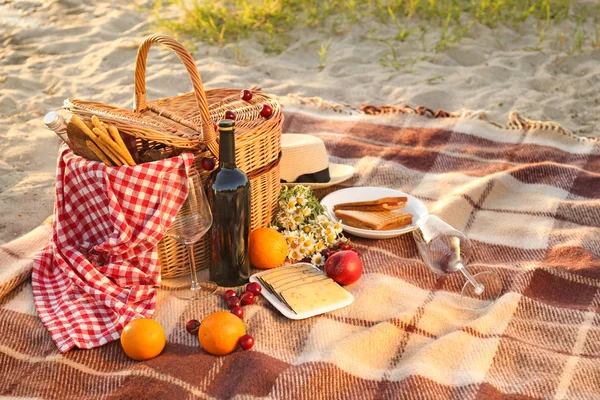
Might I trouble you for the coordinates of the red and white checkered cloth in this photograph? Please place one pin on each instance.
(101, 267)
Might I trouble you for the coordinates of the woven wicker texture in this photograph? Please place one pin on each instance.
(188, 122)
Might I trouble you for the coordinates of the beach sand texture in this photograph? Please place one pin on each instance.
(86, 50)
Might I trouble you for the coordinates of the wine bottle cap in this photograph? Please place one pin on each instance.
(226, 124)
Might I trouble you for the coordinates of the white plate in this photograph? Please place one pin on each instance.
(289, 313)
(413, 206)
(338, 173)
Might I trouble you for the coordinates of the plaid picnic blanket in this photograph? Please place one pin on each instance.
(529, 198)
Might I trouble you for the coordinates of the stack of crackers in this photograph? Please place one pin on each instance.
(303, 288)
(380, 214)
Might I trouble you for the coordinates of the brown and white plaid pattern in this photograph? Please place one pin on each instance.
(530, 200)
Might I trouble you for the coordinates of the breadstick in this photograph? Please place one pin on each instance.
(99, 124)
(96, 122)
(106, 145)
(75, 120)
(114, 133)
(99, 153)
(112, 144)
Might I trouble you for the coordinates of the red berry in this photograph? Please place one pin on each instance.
(247, 298)
(208, 164)
(229, 115)
(254, 288)
(266, 111)
(238, 312)
(233, 302)
(192, 326)
(229, 293)
(246, 342)
(346, 246)
(326, 252)
(246, 95)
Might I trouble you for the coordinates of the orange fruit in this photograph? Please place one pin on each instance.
(267, 248)
(220, 332)
(143, 339)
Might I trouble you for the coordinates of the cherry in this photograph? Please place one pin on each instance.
(246, 342)
(247, 298)
(238, 312)
(192, 326)
(327, 253)
(246, 95)
(346, 246)
(254, 288)
(229, 293)
(230, 115)
(208, 163)
(233, 302)
(266, 111)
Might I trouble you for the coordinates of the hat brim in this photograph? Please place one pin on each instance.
(338, 173)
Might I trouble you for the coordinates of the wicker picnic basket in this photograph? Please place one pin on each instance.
(187, 122)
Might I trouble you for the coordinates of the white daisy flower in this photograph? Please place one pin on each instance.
(318, 259)
(307, 242)
(296, 255)
(291, 205)
(290, 224)
(306, 211)
(337, 227)
(301, 199)
(321, 218)
(320, 245)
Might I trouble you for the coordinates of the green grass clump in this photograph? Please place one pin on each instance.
(274, 21)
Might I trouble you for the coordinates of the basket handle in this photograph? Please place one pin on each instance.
(139, 99)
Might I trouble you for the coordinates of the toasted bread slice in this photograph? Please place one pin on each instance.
(377, 220)
(382, 204)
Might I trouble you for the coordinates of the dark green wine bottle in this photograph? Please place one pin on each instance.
(229, 197)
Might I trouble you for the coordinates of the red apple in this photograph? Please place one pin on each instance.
(344, 267)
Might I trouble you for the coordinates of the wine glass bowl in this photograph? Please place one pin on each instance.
(446, 250)
(191, 223)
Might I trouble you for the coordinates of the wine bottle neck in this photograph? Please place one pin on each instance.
(227, 149)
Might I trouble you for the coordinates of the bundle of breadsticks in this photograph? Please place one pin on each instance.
(379, 214)
(103, 140)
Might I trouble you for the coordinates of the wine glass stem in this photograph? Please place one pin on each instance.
(479, 288)
(192, 260)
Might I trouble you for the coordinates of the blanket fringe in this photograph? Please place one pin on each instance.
(515, 120)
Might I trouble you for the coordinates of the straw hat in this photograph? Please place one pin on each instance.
(304, 160)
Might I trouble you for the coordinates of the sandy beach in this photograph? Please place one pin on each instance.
(86, 50)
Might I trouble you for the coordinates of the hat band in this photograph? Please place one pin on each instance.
(316, 177)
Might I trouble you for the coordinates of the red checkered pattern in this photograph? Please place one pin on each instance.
(101, 268)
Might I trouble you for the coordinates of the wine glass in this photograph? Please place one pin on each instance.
(189, 225)
(445, 250)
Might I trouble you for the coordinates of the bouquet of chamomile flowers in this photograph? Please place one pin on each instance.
(303, 222)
